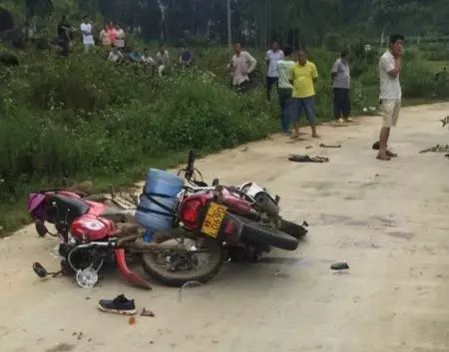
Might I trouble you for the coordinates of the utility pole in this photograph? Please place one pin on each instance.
(229, 24)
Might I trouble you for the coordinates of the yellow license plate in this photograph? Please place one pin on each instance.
(214, 218)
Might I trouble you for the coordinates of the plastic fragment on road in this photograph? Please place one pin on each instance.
(340, 266)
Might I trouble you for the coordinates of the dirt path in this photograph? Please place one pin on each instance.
(388, 220)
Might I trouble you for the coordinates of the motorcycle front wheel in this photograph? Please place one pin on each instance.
(182, 259)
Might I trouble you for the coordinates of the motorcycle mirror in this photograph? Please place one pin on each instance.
(40, 270)
(40, 228)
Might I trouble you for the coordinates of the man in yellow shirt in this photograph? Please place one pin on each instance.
(303, 74)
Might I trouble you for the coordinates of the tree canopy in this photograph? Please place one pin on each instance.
(259, 21)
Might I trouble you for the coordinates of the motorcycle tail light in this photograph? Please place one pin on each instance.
(190, 211)
(229, 228)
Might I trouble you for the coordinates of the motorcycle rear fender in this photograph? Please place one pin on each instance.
(129, 275)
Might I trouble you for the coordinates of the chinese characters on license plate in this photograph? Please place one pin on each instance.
(214, 218)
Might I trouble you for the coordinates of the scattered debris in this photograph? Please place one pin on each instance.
(445, 121)
(309, 147)
(87, 298)
(151, 342)
(90, 339)
(190, 284)
(335, 146)
(61, 347)
(244, 149)
(307, 159)
(132, 321)
(79, 335)
(340, 266)
(437, 149)
(147, 313)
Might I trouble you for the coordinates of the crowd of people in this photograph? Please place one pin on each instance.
(295, 81)
(112, 38)
(294, 78)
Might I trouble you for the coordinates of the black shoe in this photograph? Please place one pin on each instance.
(119, 305)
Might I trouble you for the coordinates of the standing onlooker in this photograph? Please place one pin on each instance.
(186, 58)
(112, 32)
(341, 85)
(64, 35)
(119, 37)
(242, 64)
(273, 56)
(88, 37)
(304, 73)
(390, 66)
(162, 60)
(285, 89)
(104, 38)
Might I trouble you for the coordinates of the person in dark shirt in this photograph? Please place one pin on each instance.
(64, 35)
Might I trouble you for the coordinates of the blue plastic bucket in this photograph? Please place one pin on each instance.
(156, 206)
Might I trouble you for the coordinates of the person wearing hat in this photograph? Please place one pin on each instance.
(86, 30)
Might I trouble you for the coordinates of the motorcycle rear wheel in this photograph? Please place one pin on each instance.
(157, 264)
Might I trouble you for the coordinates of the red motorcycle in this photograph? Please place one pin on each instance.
(216, 224)
(89, 232)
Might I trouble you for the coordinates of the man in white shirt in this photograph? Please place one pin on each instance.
(390, 66)
(242, 64)
(274, 55)
(86, 30)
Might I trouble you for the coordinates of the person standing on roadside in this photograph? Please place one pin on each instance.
(119, 37)
(272, 58)
(341, 85)
(112, 32)
(285, 89)
(64, 35)
(390, 66)
(304, 74)
(86, 30)
(104, 38)
(241, 66)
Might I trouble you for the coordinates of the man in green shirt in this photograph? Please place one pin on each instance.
(285, 90)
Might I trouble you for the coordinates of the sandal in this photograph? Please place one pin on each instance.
(383, 157)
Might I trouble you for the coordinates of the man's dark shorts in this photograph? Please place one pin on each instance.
(306, 104)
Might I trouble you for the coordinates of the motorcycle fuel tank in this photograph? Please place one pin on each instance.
(91, 228)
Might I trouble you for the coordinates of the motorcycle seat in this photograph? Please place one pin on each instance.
(65, 209)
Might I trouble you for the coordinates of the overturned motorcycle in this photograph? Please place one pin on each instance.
(191, 229)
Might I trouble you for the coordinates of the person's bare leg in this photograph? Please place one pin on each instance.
(383, 143)
(296, 130)
(314, 132)
(389, 153)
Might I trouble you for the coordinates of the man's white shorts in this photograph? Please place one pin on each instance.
(390, 109)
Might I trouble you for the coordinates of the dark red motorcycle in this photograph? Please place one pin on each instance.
(215, 224)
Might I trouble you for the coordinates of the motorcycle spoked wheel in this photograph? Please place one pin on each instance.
(200, 261)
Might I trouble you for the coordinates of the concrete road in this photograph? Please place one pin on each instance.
(389, 221)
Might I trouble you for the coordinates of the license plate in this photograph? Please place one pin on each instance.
(214, 218)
